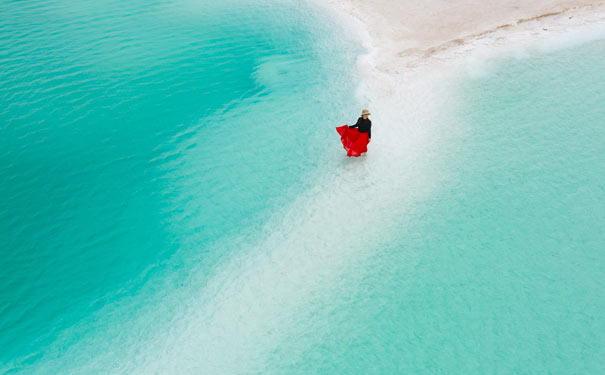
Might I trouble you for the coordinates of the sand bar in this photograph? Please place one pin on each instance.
(405, 31)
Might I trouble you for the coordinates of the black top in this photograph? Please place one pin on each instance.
(364, 126)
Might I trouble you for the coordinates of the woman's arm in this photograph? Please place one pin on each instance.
(356, 125)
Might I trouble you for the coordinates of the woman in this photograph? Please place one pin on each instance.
(355, 138)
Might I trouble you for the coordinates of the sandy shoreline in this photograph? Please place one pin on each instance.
(405, 33)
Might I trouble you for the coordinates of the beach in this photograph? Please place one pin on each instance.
(404, 35)
(408, 31)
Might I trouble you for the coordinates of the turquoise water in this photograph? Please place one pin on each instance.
(149, 155)
(135, 137)
(501, 269)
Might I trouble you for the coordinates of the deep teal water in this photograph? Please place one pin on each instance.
(136, 136)
(143, 146)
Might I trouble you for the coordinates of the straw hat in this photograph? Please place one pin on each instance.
(365, 112)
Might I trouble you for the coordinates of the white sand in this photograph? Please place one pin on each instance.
(405, 32)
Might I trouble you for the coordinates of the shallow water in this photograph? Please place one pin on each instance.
(168, 208)
(501, 268)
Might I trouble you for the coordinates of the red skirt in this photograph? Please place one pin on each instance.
(355, 142)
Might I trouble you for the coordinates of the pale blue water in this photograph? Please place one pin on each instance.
(501, 270)
(142, 144)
